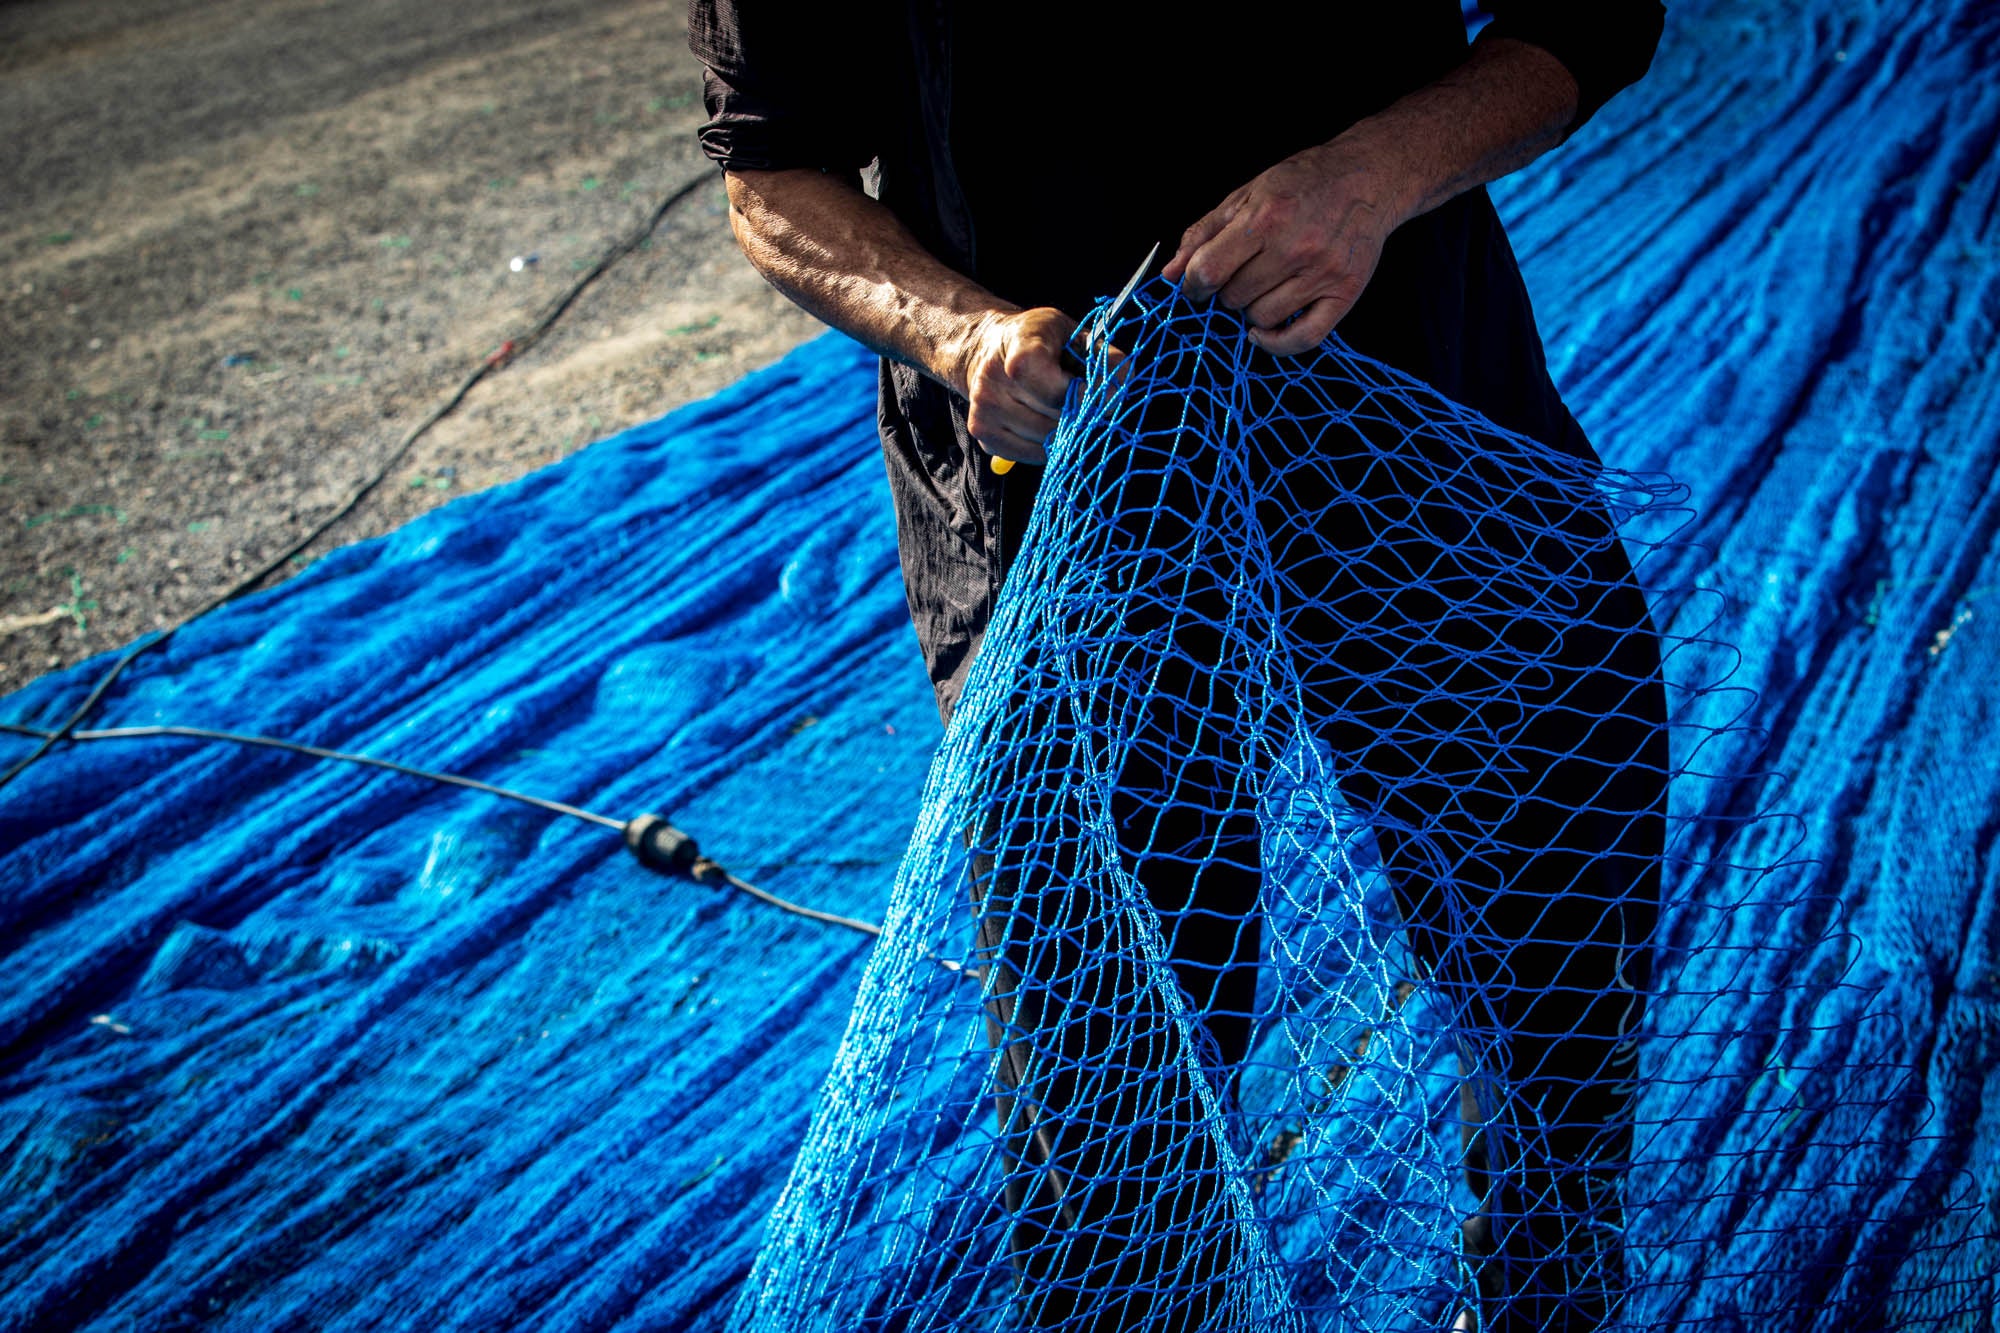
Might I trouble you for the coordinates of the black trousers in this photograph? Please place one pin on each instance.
(1480, 663)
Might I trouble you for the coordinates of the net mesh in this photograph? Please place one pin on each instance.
(1336, 905)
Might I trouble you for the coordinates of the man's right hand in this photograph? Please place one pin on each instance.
(1010, 370)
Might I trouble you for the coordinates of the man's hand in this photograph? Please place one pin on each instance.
(1010, 371)
(1301, 240)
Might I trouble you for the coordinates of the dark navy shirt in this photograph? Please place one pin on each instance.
(1042, 147)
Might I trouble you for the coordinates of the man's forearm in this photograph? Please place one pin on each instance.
(1509, 103)
(851, 262)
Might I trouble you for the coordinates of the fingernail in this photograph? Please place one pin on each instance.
(1001, 466)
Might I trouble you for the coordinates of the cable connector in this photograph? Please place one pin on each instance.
(661, 846)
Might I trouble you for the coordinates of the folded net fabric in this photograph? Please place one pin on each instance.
(1335, 905)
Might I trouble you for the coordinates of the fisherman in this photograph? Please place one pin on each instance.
(953, 184)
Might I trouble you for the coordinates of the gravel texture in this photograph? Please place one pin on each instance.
(247, 246)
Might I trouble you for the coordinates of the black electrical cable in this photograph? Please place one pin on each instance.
(514, 347)
(667, 849)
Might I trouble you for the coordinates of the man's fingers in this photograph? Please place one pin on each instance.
(1021, 427)
(1017, 438)
(1004, 423)
(1033, 422)
(1037, 380)
(1263, 274)
(1029, 405)
(1308, 331)
(1279, 304)
(1030, 367)
(1195, 237)
(1215, 261)
(1013, 446)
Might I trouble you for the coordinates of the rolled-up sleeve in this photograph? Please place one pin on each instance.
(1605, 45)
(786, 85)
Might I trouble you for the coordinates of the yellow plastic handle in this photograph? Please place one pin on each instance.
(1001, 466)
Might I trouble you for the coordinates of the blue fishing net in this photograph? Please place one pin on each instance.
(1347, 897)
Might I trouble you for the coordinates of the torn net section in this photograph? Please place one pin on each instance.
(1335, 906)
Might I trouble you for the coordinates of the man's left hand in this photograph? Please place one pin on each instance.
(1301, 240)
